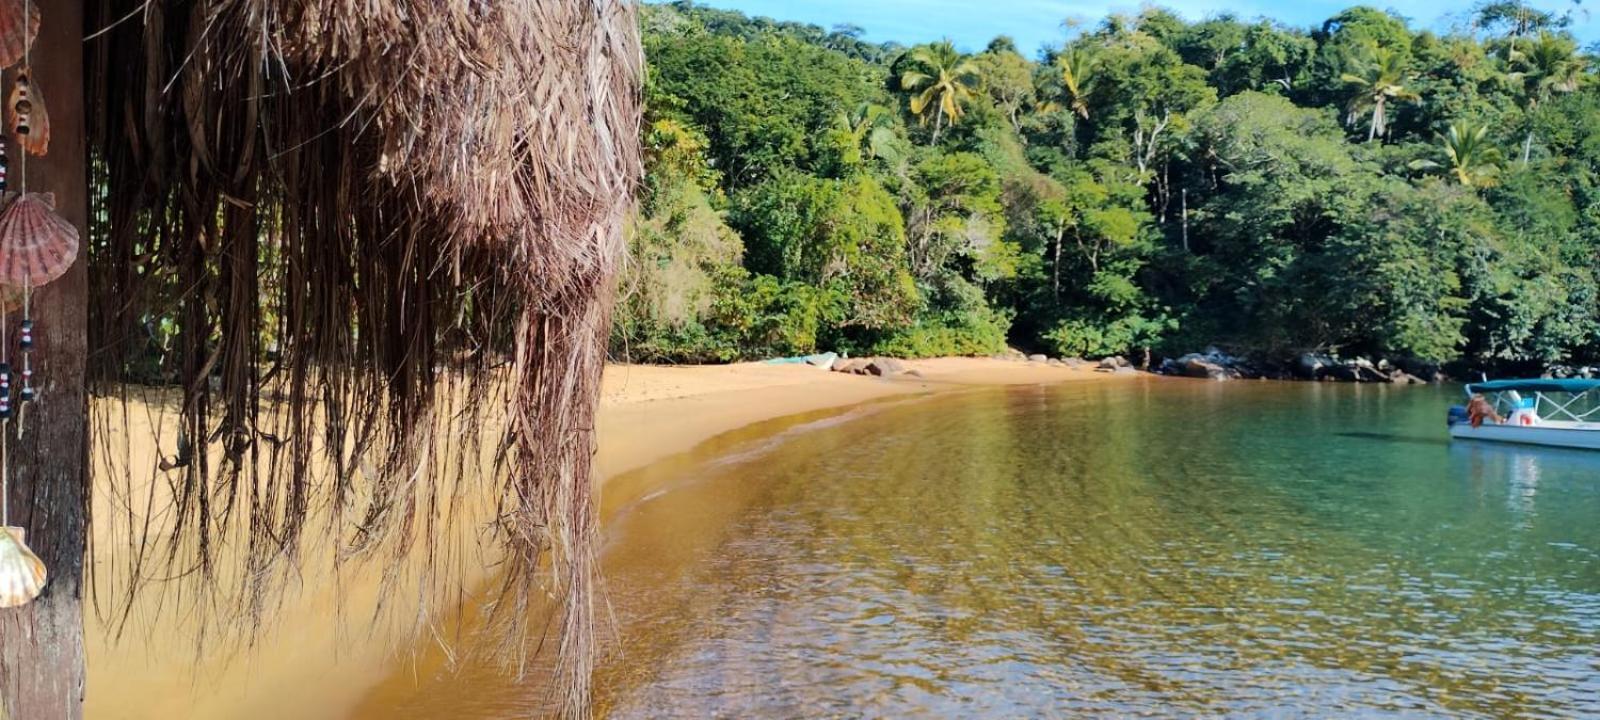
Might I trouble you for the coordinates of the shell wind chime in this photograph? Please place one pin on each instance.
(37, 246)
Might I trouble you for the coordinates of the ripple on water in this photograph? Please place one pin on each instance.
(1098, 551)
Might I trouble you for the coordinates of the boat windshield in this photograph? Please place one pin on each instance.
(1559, 400)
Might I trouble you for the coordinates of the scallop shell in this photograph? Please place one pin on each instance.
(30, 123)
(22, 573)
(13, 42)
(36, 244)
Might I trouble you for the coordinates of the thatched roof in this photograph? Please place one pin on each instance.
(330, 204)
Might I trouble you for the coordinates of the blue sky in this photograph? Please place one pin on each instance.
(1033, 23)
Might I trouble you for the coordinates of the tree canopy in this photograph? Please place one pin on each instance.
(1149, 183)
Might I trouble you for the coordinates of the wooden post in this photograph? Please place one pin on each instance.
(41, 644)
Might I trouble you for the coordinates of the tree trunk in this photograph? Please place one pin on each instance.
(1055, 267)
(938, 125)
(41, 644)
(1527, 147)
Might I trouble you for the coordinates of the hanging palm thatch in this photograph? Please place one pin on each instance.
(351, 233)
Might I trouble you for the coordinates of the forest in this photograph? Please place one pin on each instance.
(1148, 186)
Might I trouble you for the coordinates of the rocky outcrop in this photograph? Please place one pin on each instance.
(882, 367)
(1111, 364)
(1313, 366)
(1213, 364)
(1564, 372)
(850, 366)
(1196, 367)
(1218, 365)
(877, 366)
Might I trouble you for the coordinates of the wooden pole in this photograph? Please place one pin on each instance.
(41, 644)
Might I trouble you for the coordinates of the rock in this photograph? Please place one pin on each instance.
(1216, 356)
(1056, 362)
(849, 366)
(884, 366)
(914, 373)
(1075, 362)
(1196, 367)
(1037, 358)
(1312, 366)
(1342, 373)
(1417, 368)
(1114, 362)
(1562, 372)
(823, 360)
(1126, 370)
(1401, 377)
(1359, 370)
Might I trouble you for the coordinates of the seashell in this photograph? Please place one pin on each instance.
(36, 244)
(29, 121)
(13, 42)
(22, 573)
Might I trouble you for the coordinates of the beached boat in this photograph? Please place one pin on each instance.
(1554, 413)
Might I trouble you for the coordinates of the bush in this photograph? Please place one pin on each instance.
(1087, 338)
(763, 316)
(959, 322)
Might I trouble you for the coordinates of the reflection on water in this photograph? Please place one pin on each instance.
(1111, 549)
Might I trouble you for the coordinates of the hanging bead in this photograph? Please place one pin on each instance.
(5, 391)
(27, 393)
(25, 339)
(5, 164)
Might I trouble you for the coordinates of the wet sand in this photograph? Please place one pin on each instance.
(322, 656)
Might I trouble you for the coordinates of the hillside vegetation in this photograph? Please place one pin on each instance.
(1150, 185)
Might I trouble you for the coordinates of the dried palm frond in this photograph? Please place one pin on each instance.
(344, 215)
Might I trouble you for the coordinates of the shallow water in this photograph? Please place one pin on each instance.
(1141, 548)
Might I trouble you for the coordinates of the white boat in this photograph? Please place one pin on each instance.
(1552, 413)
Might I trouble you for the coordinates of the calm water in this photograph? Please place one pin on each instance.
(1142, 548)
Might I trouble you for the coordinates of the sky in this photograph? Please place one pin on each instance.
(1035, 23)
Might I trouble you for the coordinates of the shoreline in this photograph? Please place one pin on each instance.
(319, 663)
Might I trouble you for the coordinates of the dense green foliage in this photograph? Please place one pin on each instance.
(1148, 185)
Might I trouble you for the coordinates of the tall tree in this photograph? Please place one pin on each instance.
(1379, 79)
(1077, 68)
(1547, 66)
(1009, 79)
(1469, 156)
(940, 79)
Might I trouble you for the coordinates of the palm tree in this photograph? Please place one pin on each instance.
(871, 129)
(940, 78)
(1077, 75)
(1548, 66)
(1470, 158)
(1380, 79)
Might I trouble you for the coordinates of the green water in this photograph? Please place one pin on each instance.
(1154, 548)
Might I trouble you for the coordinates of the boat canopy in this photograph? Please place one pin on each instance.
(1574, 386)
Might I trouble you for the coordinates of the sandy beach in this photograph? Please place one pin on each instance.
(316, 662)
